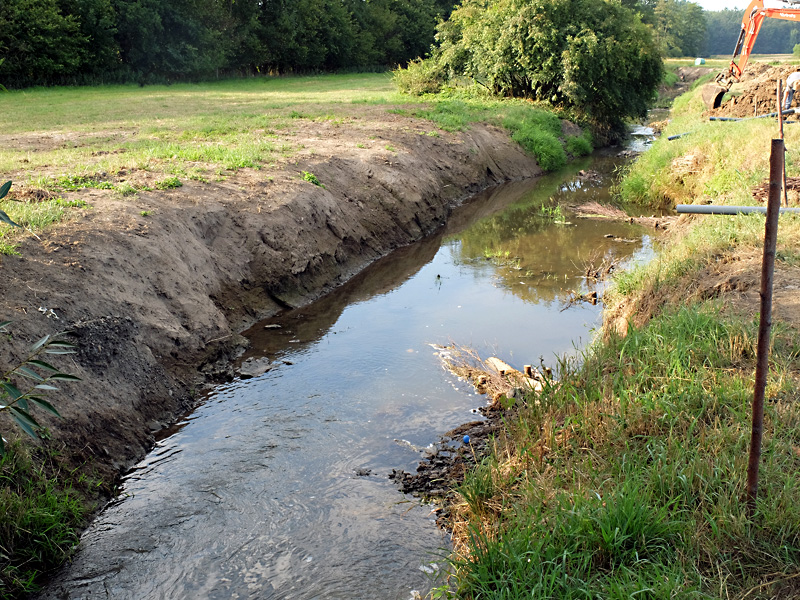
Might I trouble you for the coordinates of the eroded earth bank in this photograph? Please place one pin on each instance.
(156, 290)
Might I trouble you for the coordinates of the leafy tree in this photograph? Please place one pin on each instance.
(173, 39)
(680, 26)
(97, 26)
(592, 56)
(69, 41)
(38, 43)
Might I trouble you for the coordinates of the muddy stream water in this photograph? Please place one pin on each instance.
(276, 487)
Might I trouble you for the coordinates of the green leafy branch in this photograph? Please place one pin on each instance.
(40, 376)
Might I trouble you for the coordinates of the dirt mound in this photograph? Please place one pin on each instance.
(761, 192)
(756, 94)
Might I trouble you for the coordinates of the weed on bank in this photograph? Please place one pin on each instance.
(40, 517)
(626, 478)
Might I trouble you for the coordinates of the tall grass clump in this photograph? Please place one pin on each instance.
(538, 131)
(580, 145)
(626, 478)
(39, 519)
(589, 547)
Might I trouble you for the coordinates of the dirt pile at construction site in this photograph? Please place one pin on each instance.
(756, 93)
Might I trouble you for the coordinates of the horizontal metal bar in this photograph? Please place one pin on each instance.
(711, 209)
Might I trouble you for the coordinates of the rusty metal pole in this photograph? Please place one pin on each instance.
(776, 161)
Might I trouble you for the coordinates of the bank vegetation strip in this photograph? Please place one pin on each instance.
(626, 478)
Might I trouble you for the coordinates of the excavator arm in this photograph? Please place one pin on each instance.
(752, 20)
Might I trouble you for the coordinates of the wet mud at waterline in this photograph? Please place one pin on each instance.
(277, 485)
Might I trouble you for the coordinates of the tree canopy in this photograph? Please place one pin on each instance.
(594, 56)
(44, 42)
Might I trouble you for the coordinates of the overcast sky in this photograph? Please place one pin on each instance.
(721, 4)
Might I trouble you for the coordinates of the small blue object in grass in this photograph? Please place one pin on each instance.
(466, 439)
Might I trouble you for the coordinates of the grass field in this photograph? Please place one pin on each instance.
(67, 138)
(226, 125)
(130, 139)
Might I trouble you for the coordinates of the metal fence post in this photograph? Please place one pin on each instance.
(776, 165)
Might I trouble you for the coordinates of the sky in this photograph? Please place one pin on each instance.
(721, 4)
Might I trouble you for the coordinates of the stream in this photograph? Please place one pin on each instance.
(276, 486)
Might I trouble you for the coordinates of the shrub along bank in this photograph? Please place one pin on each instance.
(627, 477)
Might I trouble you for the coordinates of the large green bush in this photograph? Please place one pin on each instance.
(593, 57)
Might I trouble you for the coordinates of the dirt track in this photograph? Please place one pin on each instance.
(157, 289)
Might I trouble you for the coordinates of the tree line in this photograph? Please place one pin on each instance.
(51, 42)
(776, 36)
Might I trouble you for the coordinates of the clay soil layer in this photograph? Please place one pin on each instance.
(156, 290)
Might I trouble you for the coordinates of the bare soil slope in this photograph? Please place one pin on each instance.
(756, 94)
(157, 289)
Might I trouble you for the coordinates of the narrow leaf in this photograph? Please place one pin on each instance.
(26, 372)
(60, 344)
(23, 403)
(23, 415)
(40, 343)
(5, 324)
(49, 350)
(63, 377)
(25, 427)
(4, 189)
(43, 365)
(11, 390)
(7, 220)
(44, 386)
(26, 422)
(2, 447)
(45, 405)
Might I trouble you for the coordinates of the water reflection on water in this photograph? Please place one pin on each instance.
(276, 487)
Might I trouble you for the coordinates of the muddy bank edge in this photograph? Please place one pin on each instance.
(156, 290)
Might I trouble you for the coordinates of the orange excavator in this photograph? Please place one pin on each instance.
(752, 20)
